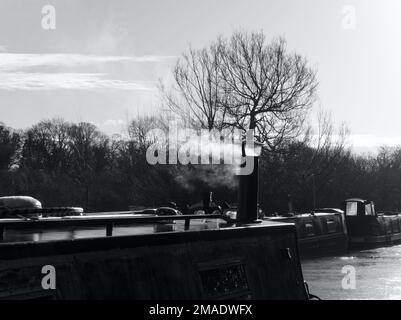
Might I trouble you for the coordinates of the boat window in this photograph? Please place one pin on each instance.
(309, 230)
(351, 209)
(331, 226)
(369, 209)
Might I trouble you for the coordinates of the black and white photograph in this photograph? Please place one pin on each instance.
(200, 155)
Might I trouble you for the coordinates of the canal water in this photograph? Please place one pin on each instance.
(366, 274)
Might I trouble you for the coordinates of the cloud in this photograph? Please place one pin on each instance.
(78, 81)
(74, 71)
(3, 48)
(18, 61)
(113, 122)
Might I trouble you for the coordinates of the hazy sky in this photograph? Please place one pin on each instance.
(102, 62)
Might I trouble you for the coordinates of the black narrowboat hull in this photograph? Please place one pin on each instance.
(325, 245)
(368, 228)
(362, 242)
(259, 261)
(320, 234)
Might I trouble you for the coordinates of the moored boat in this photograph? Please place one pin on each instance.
(321, 233)
(367, 227)
(259, 261)
(201, 257)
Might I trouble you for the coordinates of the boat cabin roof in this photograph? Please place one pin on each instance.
(113, 224)
(357, 200)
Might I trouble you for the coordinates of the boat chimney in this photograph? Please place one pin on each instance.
(290, 206)
(207, 200)
(248, 190)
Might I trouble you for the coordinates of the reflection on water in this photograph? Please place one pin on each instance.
(78, 233)
(377, 271)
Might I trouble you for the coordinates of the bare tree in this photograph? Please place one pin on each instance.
(138, 130)
(47, 145)
(328, 151)
(90, 155)
(10, 144)
(247, 83)
(197, 96)
(324, 138)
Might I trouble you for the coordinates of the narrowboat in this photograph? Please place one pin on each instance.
(367, 227)
(129, 255)
(320, 233)
(147, 254)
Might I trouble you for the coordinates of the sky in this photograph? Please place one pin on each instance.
(103, 60)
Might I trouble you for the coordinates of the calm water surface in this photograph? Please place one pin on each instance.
(377, 274)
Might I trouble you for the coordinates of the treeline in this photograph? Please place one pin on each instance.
(74, 164)
(335, 177)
